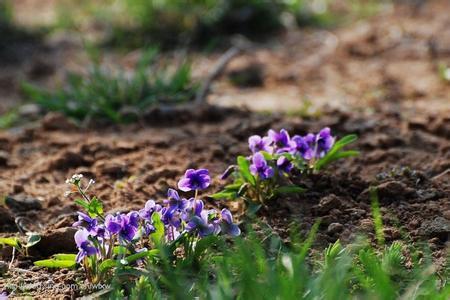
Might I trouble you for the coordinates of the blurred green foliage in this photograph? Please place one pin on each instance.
(172, 23)
(262, 267)
(198, 22)
(5, 12)
(117, 96)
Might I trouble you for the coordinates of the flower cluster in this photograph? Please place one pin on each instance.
(176, 217)
(309, 147)
(268, 171)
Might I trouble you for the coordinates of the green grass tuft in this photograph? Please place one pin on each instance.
(255, 267)
(117, 97)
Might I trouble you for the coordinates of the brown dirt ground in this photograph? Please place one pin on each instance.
(382, 76)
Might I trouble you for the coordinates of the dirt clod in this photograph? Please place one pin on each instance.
(3, 268)
(7, 223)
(334, 228)
(438, 227)
(328, 203)
(22, 203)
(4, 158)
(57, 121)
(57, 241)
(68, 159)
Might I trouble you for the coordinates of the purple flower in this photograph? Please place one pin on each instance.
(284, 165)
(194, 180)
(85, 246)
(259, 167)
(130, 226)
(85, 221)
(281, 140)
(304, 145)
(124, 225)
(197, 206)
(114, 223)
(200, 223)
(150, 207)
(228, 172)
(101, 233)
(171, 217)
(257, 143)
(172, 233)
(148, 228)
(324, 142)
(227, 224)
(174, 200)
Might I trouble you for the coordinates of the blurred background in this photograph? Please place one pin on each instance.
(111, 59)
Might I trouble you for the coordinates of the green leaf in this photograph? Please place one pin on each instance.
(244, 169)
(55, 263)
(64, 256)
(205, 243)
(149, 253)
(60, 260)
(83, 203)
(224, 195)
(335, 153)
(107, 265)
(289, 189)
(158, 235)
(235, 186)
(252, 208)
(348, 139)
(120, 250)
(95, 208)
(13, 242)
(267, 155)
(343, 154)
(33, 239)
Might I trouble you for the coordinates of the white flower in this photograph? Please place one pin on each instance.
(76, 178)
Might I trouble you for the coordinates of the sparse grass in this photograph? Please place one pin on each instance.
(8, 119)
(306, 110)
(258, 267)
(206, 23)
(329, 13)
(114, 95)
(5, 12)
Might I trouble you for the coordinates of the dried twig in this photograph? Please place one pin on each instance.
(240, 44)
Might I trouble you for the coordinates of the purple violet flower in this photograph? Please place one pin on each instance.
(200, 223)
(324, 142)
(227, 224)
(87, 222)
(85, 246)
(114, 223)
(281, 140)
(101, 233)
(174, 200)
(228, 172)
(259, 167)
(194, 180)
(124, 225)
(148, 228)
(172, 233)
(284, 165)
(150, 207)
(304, 145)
(171, 217)
(257, 143)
